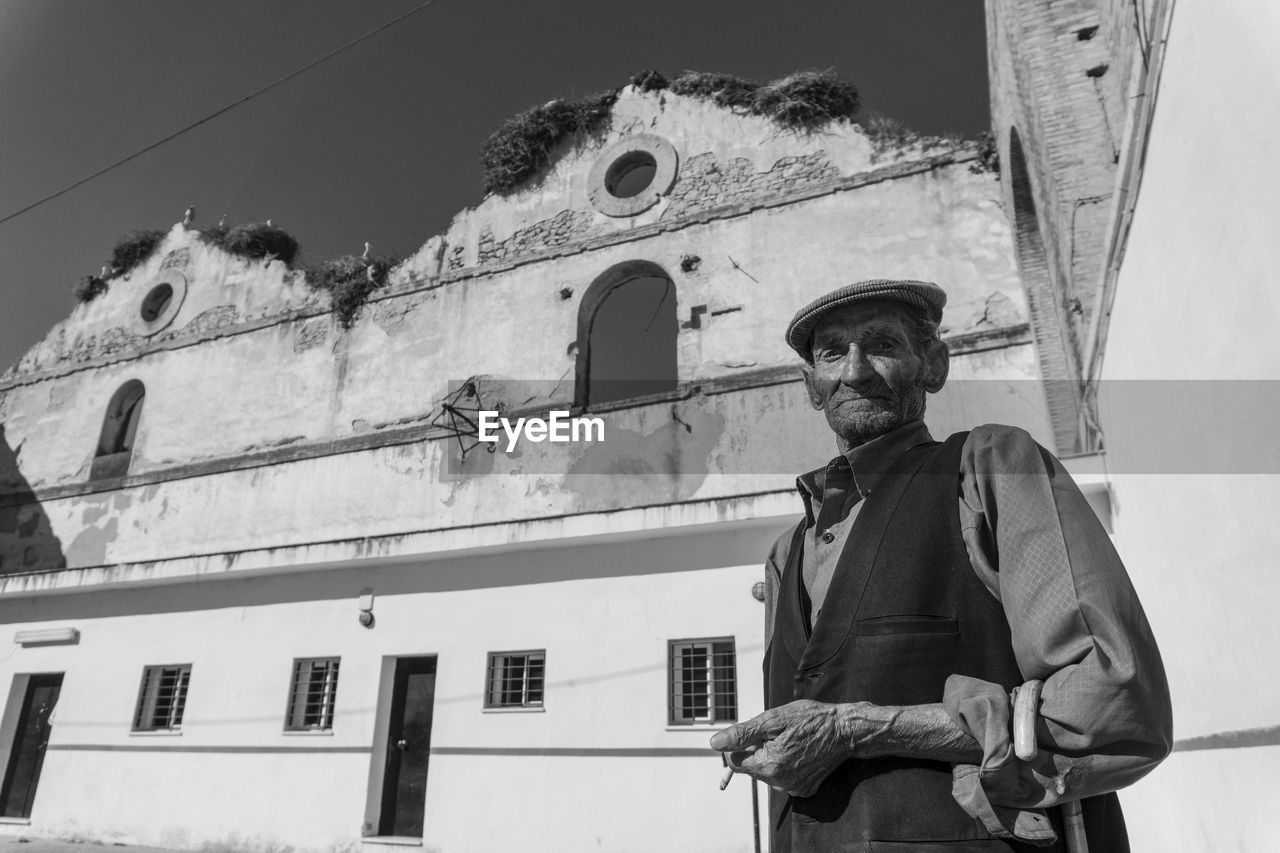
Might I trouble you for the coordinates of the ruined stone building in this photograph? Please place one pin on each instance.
(277, 590)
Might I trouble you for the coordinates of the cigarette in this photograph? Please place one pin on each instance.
(724, 780)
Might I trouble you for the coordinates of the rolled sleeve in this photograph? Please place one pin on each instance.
(1076, 623)
(983, 709)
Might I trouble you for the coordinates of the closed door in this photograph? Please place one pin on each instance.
(404, 787)
(29, 744)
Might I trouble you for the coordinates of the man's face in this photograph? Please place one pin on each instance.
(868, 376)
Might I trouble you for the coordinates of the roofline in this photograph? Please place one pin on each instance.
(1132, 165)
(960, 154)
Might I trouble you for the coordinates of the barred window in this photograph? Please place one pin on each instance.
(515, 679)
(312, 691)
(703, 682)
(162, 698)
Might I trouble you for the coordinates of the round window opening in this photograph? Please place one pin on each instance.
(630, 174)
(156, 302)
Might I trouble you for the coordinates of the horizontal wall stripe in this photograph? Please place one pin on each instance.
(579, 751)
(1240, 739)
(567, 751)
(370, 543)
(252, 750)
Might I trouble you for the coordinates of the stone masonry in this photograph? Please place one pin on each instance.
(1059, 135)
(705, 182)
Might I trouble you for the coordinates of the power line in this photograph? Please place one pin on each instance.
(231, 106)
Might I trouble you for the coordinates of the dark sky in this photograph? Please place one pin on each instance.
(379, 143)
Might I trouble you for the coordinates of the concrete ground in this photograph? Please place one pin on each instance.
(17, 843)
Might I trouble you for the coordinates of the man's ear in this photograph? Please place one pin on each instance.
(814, 399)
(937, 366)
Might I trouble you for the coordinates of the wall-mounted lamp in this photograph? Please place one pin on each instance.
(366, 608)
(47, 637)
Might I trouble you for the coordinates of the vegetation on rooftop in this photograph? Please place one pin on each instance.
(649, 80)
(804, 100)
(723, 90)
(889, 134)
(88, 288)
(807, 100)
(885, 132)
(128, 252)
(521, 147)
(350, 281)
(132, 249)
(988, 155)
(253, 241)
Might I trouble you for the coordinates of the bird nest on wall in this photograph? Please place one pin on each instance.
(805, 100)
(519, 150)
(132, 249)
(89, 288)
(253, 241)
(724, 90)
(522, 146)
(350, 281)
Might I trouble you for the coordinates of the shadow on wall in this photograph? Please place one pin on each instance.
(27, 543)
(720, 547)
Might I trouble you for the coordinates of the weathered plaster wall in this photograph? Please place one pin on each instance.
(293, 377)
(1192, 332)
(224, 291)
(704, 446)
(556, 209)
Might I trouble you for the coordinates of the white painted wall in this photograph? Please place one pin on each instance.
(1197, 304)
(606, 648)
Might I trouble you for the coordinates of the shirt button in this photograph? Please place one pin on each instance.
(828, 537)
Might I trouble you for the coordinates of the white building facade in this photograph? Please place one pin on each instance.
(1141, 186)
(284, 599)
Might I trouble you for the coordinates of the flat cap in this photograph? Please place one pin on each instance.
(921, 294)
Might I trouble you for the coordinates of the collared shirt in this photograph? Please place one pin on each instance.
(833, 496)
(1035, 543)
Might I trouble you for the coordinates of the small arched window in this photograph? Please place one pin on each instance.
(627, 335)
(119, 429)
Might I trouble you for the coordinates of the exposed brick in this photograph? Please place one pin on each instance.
(565, 227)
(705, 183)
(1068, 126)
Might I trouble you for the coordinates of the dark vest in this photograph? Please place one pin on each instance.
(904, 611)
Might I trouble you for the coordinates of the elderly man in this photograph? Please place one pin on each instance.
(926, 581)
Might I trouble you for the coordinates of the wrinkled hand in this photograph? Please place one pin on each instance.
(792, 747)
